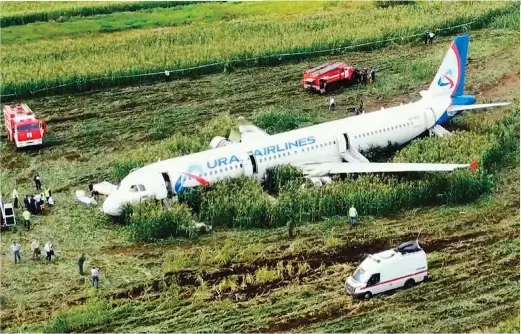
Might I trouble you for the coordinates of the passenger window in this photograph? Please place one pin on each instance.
(375, 279)
(133, 189)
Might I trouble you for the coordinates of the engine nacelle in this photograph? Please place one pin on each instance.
(219, 142)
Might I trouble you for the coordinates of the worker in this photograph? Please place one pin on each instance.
(373, 75)
(49, 250)
(42, 196)
(50, 201)
(47, 194)
(331, 103)
(37, 204)
(27, 203)
(27, 219)
(428, 37)
(15, 249)
(37, 182)
(81, 260)
(94, 275)
(15, 198)
(353, 214)
(35, 246)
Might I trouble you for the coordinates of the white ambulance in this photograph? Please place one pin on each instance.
(403, 266)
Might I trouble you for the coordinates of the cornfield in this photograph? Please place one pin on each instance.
(43, 64)
(19, 13)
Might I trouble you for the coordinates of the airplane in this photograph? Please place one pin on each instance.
(320, 151)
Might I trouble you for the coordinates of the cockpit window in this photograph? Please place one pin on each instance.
(141, 187)
(133, 189)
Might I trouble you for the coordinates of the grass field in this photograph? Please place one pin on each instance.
(255, 279)
(51, 62)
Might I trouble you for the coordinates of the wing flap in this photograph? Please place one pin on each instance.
(340, 168)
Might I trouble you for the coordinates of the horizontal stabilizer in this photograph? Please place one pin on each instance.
(477, 106)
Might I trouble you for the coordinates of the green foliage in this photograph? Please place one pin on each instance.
(392, 3)
(19, 15)
(205, 50)
(122, 169)
(278, 177)
(150, 222)
(192, 197)
(264, 275)
(276, 121)
(158, 129)
(237, 203)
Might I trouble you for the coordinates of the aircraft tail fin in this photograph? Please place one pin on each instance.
(450, 78)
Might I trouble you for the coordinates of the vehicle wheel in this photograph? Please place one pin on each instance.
(409, 284)
(368, 295)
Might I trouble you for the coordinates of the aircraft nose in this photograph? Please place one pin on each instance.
(111, 206)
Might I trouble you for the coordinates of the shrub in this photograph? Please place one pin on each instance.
(122, 169)
(150, 222)
(275, 121)
(280, 176)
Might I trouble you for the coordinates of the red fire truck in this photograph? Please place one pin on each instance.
(22, 126)
(321, 77)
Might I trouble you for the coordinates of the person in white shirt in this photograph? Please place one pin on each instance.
(49, 250)
(50, 201)
(331, 103)
(15, 249)
(94, 274)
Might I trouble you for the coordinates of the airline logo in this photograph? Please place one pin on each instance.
(190, 173)
(445, 79)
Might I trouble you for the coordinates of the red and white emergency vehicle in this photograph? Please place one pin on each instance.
(320, 77)
(22, 126)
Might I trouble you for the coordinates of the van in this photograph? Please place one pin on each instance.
(403, 266)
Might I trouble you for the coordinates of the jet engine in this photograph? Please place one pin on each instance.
(219, 142)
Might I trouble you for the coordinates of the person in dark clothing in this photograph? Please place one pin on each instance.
(81, 260)
(373, 75)
(38, 182)
(32, 206)
(27, 203)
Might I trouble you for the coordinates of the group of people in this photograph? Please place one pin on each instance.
(365, 74)
(33, 204)
(16, 249)
(358, 110)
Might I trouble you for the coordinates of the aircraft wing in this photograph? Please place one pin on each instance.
(323, 169)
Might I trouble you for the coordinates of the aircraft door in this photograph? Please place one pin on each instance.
(159, 190)
(343, 143)
(429, 117)
(249, 164)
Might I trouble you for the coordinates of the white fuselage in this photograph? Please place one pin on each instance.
(320, 143)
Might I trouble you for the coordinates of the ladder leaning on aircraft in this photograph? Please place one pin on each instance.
(320, 151)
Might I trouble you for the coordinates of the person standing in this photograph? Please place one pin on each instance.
(81, 260)
(37, 199)
(27, 203)
(35, 246)
(94, 274)
(431, 37)
(331, 103)
(353, 215)
(373, 75)
(15, 249)
(37, 182)
(49, 250)
(27, 219)
(15, 198)
(47, 194)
